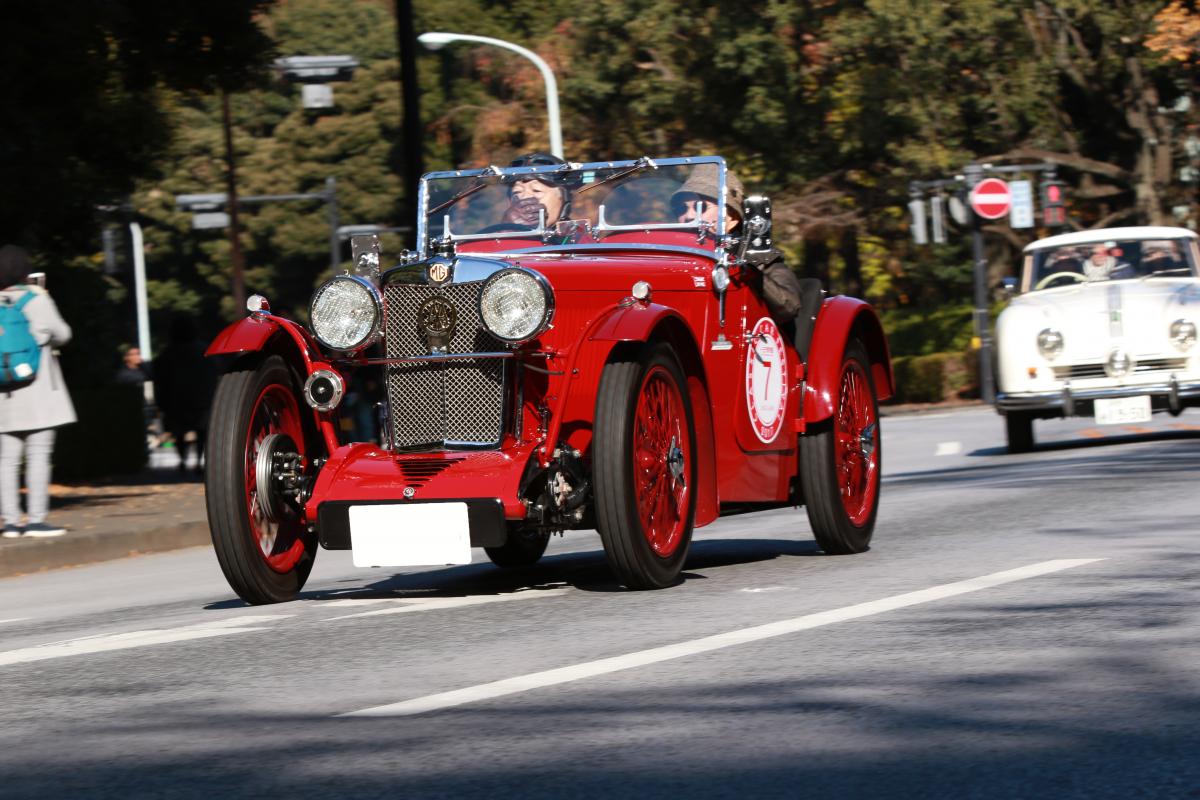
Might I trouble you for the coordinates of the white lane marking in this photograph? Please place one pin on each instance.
(123, 641)
(13, 619)
(948, 448)
(412, 604)
(604, 666)
(357, 601)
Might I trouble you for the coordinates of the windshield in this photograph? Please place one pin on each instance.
(576, 203)
(1112, 260)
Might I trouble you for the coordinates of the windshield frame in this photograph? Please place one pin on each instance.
(423, 228)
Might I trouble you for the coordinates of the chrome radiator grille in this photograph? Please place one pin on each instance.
(448, 403)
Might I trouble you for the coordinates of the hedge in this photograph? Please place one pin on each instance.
(935, 378)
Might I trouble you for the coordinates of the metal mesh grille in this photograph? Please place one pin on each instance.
(455, 402)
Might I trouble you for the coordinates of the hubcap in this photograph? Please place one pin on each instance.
(856, 453)
(661, 454)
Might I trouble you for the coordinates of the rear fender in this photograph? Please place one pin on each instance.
(651, 322)
(841, 319)
(270, 335)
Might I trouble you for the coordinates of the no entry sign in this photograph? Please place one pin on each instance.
(991, 198)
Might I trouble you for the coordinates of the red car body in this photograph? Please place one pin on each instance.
(743, 452)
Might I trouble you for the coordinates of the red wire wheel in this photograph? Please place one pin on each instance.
(661, 455)
(840, 461)
(856, 427)
(644, 467)
(273, 525)
(261, 541)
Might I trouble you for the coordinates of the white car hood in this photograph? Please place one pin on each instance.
(1095, 316)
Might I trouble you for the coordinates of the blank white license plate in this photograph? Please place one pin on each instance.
(410, 535)
(1123, 410)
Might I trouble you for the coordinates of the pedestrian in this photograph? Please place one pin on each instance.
(133, 370)
(33, 395)
(184, 383)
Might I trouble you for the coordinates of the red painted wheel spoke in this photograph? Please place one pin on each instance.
(280, 543)
(662, 496)
(855, 445)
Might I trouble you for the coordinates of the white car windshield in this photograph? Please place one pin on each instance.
(1112, 260)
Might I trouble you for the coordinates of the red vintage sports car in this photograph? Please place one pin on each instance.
(616, 369)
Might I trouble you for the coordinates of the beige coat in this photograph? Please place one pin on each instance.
(45, 403)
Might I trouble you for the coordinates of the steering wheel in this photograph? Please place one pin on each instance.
(1054, 277)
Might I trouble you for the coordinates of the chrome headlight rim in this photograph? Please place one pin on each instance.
(547, 293)
(373, 295)
(1182, 333)
(1050, 343)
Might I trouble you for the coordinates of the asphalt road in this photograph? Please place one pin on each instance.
(1025, 626)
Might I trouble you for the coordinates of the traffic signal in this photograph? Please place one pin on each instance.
(916, 207)
(1054, 212)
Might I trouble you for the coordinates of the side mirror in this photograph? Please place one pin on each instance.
(756, 211)
(1010, 284)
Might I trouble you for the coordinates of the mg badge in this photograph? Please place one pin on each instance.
(435, 319)
(439, 272)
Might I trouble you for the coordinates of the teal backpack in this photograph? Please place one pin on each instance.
(20, 355)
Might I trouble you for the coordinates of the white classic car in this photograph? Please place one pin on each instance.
(1104, 325)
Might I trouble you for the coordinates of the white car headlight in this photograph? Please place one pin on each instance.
(345, 312)
(516, 305)
(1050, 343)
(1183, 334)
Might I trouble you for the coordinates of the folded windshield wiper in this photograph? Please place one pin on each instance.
(642, 163)
(480, 183)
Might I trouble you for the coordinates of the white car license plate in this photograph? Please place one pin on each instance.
(410, 534)
(1123, 410)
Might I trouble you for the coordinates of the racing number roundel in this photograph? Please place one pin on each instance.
(766, 380)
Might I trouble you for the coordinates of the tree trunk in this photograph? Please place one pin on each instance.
(852, 282)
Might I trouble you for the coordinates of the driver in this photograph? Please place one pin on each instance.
(792, 301)
(532, 194)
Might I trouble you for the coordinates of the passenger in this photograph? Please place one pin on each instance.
(1158, 257)
(793, 301)
(1102, 265)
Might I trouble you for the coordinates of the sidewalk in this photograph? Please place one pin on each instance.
(159, 510)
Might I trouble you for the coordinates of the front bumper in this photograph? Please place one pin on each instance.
(1169, 396)
(362, 474)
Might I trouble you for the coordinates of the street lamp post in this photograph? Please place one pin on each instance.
(437, 40)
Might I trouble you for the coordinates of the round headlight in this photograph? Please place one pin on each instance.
(345, 312)
(516, 305)
(1183, 334)
(1050, 343)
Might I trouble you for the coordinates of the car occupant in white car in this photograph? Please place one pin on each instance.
(1102, 265)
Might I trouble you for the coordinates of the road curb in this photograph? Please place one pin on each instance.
(37, 555)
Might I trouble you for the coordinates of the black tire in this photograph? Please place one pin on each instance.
(1018, 425)
(261, 395)
(645, 557)
(843, 523)
(521, 549)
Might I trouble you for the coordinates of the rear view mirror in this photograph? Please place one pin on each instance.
(1009, 283)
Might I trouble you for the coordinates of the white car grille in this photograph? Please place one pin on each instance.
(1096, 370)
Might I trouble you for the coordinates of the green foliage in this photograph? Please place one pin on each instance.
(933, 378)
(918, 332)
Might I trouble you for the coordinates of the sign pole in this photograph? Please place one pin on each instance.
(973, 174)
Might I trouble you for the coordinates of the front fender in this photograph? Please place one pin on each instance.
(267, 333)
(633, 323)
(841, 319)
(252, 335)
